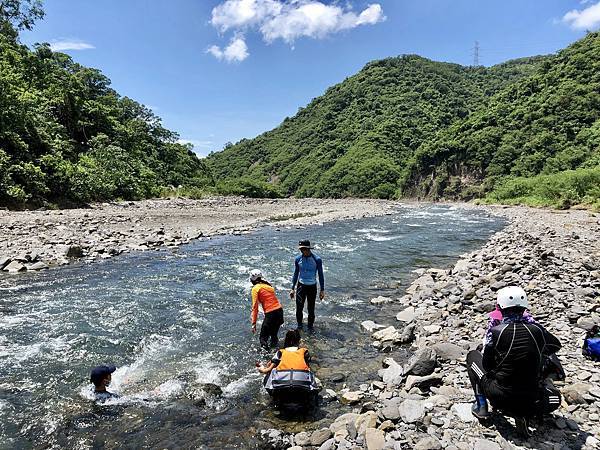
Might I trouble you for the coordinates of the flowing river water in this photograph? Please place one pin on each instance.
(176, 319)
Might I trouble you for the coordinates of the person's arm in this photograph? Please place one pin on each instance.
(321, 278)
(552, 343)
(254, 314)
(267, 368)
(295, 277)
(307, 357)
(489, 350)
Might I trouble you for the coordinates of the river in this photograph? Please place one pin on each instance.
(176, 319)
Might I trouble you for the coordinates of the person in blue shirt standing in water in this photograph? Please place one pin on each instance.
(307, 266)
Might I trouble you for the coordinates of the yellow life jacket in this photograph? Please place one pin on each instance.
(293, 360)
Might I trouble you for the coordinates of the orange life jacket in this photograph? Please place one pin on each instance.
(264, 295)
(292, 360)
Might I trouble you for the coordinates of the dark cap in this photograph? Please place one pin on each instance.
(304, 244)
(100, 372)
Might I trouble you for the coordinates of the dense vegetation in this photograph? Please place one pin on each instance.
(66, 137)
(544, 124)
(410, 127)
(355, 140)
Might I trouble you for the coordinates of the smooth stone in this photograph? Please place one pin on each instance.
(320, 436)
(390, 413)
(369, 326)
(302, 439)
(375, 439)
(423, 383)
(38, 266)
(447, 351)
(432, 329)
(14, 267)
(351, 397)
(411, 411)
(486, 444)
(428, 443)
(406, 315)
(463, 412)
(387, 334)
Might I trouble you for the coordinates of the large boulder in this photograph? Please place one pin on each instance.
(389, 334)
(375, 439)
(14, 267)
(320, 436)
(422, 363)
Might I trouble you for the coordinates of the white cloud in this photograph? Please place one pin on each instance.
(316, 20)
(287, 20)
(242, 13)
(63, 45)
(236, 51)
(585, 19)
(196, 143)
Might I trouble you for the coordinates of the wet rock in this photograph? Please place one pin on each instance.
(423, 383)
(387, 334)
(411, 411)
(407, 315)
(351, 397)
(447, 351)
(408, 334)
(381, 300)
(422, 363)
(375, 439)
(463, 412)
(337, 377)
(320, 436)
(14, 267)
(369, 326)
(212, 389)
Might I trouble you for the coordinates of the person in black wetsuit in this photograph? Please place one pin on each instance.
(509, 371)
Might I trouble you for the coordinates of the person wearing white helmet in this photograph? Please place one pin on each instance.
(508, 372)
(264, 294)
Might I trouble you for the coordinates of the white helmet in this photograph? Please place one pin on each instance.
(512, 296)
(255, 274)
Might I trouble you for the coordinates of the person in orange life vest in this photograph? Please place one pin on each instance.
(264, 294)
(290, 358)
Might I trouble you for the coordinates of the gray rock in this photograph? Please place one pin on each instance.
(392, 374)
(485, 444)
(422, 363)
(74, 251)
(406, 315)
(390, 413)
(320, 436)
(369, 326)
(352, 397)
(432, 329)
(381, 300)
(585, 323)
(411, 411)
(302, 439)
(40, 265)
(463, 412)
(408, 334)
(447, 351)
(14, 267)
(423, 383)
(4, 262)
(329, 444)
(387, 334)
(428, 443)
(375, 439)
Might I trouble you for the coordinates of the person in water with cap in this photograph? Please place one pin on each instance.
(101, 377)
(264, 294)
(307, 266)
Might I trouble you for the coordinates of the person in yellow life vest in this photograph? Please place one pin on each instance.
(264, 294)
(288, 378)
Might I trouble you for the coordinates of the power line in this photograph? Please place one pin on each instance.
(476, 54)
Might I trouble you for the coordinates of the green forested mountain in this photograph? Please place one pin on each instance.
(356, 139)
(546, 123)
(67, 137)
(411, 127)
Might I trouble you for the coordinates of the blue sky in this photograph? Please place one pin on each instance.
(218, 71)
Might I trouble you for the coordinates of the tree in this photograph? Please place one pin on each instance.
(21, 14)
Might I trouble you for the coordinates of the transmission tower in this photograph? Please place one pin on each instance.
(476, 54)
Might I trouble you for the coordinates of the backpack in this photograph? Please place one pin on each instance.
(591, 344)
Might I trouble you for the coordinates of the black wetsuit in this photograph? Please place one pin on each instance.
(509, 372)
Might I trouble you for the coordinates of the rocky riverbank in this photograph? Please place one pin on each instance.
(37, 240)
(425, 404)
